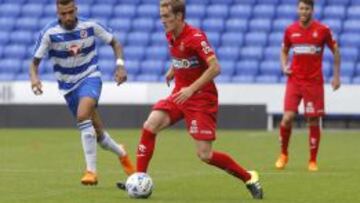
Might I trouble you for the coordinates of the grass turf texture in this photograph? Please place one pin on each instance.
(39, 165)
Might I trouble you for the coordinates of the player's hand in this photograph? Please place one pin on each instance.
(286, 70)
(184, 94)
(169, 78)
(335, 83)
(120, 75)
(36, 86)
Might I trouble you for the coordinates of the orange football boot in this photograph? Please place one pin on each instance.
(281, 161)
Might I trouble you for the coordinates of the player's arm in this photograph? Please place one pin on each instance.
(36, 85)
(211, 72)
(169, 76)
(120, 73)
(284, 59)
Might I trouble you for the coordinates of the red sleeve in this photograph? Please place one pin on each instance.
(329, 39)
(202, 46)
(286, 39)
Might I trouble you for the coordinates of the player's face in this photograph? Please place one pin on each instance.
(67, 15)
(170, 20)
(305, 12)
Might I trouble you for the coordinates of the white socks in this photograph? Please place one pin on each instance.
(107, 143)
(88, 140)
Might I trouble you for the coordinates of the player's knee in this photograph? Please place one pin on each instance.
(287, 121)
(151, 125)
(204, 156)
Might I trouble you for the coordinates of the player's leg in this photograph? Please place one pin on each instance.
(314, 141)
(291, 102)
(156, 121)
(106, 142)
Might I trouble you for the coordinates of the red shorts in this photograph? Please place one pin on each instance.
(312, 95)
(200, 115)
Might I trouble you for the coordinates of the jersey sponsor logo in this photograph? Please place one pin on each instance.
(74, 49)
(185, 63)
(306, 49)
(205, 47)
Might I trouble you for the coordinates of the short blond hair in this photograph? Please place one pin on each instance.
(177, 6)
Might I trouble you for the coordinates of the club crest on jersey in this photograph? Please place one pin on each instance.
(83, 34)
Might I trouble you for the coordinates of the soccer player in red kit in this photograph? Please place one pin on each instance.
(194, 98)
(307, 38)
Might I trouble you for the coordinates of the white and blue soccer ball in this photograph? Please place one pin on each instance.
(139, 185)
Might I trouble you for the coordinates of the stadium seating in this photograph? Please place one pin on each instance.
(246, 35)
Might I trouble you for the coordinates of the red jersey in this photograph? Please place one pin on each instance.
(190, 52)
(308, 47)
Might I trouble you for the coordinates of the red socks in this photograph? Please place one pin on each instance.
(145, 150)
(284, 139)
(225, 162)
(314, 140)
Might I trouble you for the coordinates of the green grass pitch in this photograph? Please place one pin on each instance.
(39, 166)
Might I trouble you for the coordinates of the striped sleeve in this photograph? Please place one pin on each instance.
(42, 45)
(104, 33)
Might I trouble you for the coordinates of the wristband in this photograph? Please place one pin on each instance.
(120, 62)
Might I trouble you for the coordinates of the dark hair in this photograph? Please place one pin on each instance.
(177, 6)
(307, 2)
(64, 2)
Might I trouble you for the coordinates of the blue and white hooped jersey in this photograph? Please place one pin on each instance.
(73, 52)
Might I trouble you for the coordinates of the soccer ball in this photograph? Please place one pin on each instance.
(139, 185)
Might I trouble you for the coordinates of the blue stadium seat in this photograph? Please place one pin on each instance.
(214, 38)
(156, 2)
(42, 1)
(356, 80)
(107, 66)
(223, 79)
(158, 38)
(276, 38)
(349, 53)
(84, 10)
(264, 11)
(355, 2)
(152, 67)
(156, 53)
(232, 39)
(347, 68)
(10, 66)
(43, 22)
(30, 24)
(350, 39)
(147, 78)
(125, 11)
(338, 2)
(22, 37)
(328, 55)
(326, 68)
(32, 10)
(357, 69)
(256, 39)
(290, 2)
(110, 2)
(243, 79)
(195, 11)
(236, 25)
(247, 68)
(247, 2)
(352, 26)
(270, 2)
(272, 52)
(7, 24)
(50, 10)
(213, 25)
(270, 68)
(334, 24)
(4, 38)
(101, 10)
(267, 79)
(228, 53)
(228, 2)
(344, 79)
(227, 67)
(280, 24)
(90, 2)
(134, 52)
(240, 11)
(7, 76)
(251, 53)
(193, 22)
(48, 77)
(205, 2)
(46, 66)
(260, 25)
(132, 66)
(138, 38)
(148, 11)
(217, 11)
(120, 24)
(353, 12)
(23, 77)
(335, 11)
(15, 52)
(10, 10)
(159, 25)
(287, 11)
(106, 53)
(143, 24)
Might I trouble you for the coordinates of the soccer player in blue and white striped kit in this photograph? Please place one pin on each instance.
(70, 44)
